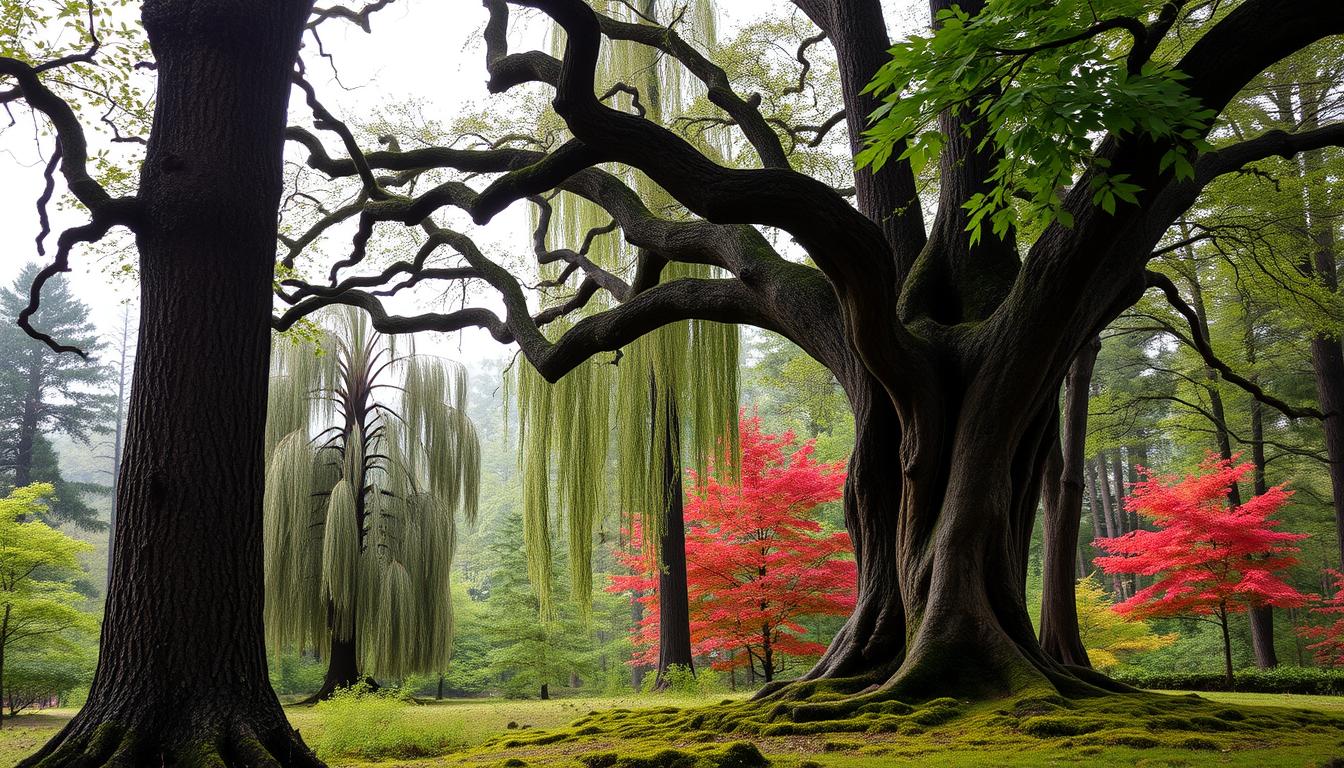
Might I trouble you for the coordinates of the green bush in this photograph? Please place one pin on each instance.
(1306, 680)
(376, 726)
(682, 681)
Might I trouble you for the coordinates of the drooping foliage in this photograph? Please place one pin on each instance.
(679, 383)
(371, 461)
(757, 560)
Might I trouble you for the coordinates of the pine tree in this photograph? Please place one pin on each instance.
(43, 393)
(362, 495)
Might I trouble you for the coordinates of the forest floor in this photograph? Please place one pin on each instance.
(1216, 730)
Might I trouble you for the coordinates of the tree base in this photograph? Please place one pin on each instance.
(84, 745)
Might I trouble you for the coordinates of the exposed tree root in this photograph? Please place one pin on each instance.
(111, 745)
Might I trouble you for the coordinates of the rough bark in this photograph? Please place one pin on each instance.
(1062, 497)
(181, 677)
(674, 612)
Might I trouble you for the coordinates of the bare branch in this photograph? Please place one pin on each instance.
(1201, 344)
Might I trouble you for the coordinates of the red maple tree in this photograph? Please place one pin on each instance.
(1329, 646)
(756, 561)
(1208, 559)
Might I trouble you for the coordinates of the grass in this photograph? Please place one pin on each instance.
(1215, 729)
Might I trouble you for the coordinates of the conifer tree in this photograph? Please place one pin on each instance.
(364, 488)
(43, 393)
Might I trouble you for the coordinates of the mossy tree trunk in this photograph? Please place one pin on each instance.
(181, 676)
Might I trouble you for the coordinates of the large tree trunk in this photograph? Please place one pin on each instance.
(1062, 496)
(674, 612)
(181, 676)
(871, 644)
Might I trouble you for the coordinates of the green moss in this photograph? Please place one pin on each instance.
(1062, 725)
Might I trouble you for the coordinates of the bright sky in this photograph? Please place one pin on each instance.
(420, 52)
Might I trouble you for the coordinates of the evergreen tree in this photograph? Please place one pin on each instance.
(532, 652)
(43, 393)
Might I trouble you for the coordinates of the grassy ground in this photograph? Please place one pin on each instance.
(1019, 734)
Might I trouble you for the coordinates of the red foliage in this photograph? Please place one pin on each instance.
(1329, 646)
(1207, 558)
(755, 562)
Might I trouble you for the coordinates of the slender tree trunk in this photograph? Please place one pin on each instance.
(545, 691)
(674, 613)
(638, 671)
(32, 406)
(1261, 617)
(4, 640)
(1062, 496)
(181, 676)
(118, 432)
(1227, 649)
(767, 655)
(1108, 516)
(439, 695)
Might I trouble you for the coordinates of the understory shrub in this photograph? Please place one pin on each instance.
(1304, 680)
(357, 722)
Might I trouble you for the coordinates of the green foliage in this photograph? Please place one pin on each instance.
(373, 726)
(1282, 679)
(1040, 82)
(675, 386)
(43, 393)
(363, 495)
(527, 649)
(293, 673)
(44, 628)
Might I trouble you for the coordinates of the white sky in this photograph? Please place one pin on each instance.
(420, 51)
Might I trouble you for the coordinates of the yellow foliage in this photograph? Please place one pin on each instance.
(1108, 636)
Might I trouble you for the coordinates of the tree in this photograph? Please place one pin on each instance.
(950, 343)
(675, 391)
(950, 349)
(757, 564)
(1110, 637)
(531, 649)
(363, 494)
(43, 393)
(38, 603)
(1329, 646)
(187, 570)
(1210, 558)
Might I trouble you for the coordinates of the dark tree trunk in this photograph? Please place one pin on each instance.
(545, 691)
(637, 671)
(1229, 677)
(1261, 617)
(871, 644)
(1062, 496)
(181, 677)
(1327, 364)
(674, 613)
(342, 671)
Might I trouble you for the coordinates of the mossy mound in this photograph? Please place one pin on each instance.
(736, 755)
(749, 734)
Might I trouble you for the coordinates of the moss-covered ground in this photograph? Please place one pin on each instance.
(1150, 730)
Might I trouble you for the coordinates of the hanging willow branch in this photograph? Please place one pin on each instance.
(363, 494)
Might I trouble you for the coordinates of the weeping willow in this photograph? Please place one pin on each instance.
(677, 384)
(371, 459)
